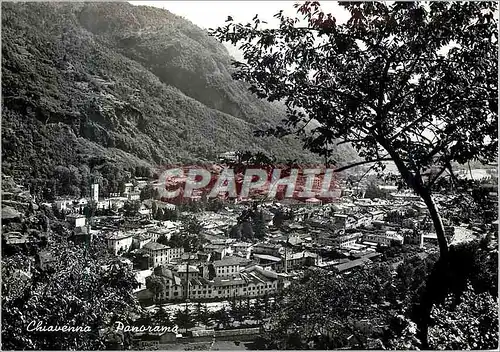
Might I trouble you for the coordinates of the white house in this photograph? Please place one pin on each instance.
(94, 191)
(64, 204)
(83, 201)
(174, 253)
(385, 239)
(228, 266)
(129, 187)
(76, 220)
(157, 253)
(120, 241)
(144, 210)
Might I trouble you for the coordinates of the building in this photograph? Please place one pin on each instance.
(229, 287)
(346, 240)
(185, 274)
(76, 220)
(210, 247)
(128, 188)
(313, 201)
(228, 266)
(413, 236)
(266, 248)
(405, 196)
(82, 202)
(16, 238)
(350, 265)
(253, 281)
(94, 190)
(157, 253)
(134, 196)
(260, 282)
(167, 230)
(430, 238)
(117, 202)
(242, 248)
(45, 260)
(141, 239)
(386, 238)
(200, 288)
(340, 221)
(82, 234)
(387, 189)
(64, 205)
(173, 289)
(141, 183)
(266, 259)
(232, 156)
(120, 241)
(174, 253)
(297, 260)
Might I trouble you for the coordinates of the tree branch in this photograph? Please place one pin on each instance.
(361, 163)
(431, 182)
(350, 141)
(430, 111)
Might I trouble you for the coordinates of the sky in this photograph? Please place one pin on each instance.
(212, 14)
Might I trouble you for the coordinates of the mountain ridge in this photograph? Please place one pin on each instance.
(112, 87)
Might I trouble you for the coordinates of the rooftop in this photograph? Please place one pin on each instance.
(230, 260)
(229, 282)
(351, 264)
(75, 216)
(119, 235)
(10, 213)
(265, 245)
(183, 269)
(271, 258)
(155, 246)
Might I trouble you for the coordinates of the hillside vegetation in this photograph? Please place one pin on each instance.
(99, 88)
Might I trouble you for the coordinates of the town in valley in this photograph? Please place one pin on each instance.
(214, 267)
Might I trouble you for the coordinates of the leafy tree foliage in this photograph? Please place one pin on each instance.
(323, 311)
(472, 204)
(84, 286)
(250, 224)
(222, 318)
(372, 191)
(162, 318)
(183, 319)
(281, 216)
(131, 208)
(259, 225)
(191, 225)
(149, 192)
(156, 284)
(384, 81)
(190, 242)
(384, 307)
(470, 324)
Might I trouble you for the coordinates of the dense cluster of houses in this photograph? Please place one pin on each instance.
(236, 277)
(351, 226)
(354, 228)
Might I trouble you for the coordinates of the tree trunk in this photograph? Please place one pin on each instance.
(436, 289)
(437, 283)
(438, 224)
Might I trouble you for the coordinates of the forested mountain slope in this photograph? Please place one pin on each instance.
(101, 88)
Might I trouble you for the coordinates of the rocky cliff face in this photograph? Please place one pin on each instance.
(111, 86)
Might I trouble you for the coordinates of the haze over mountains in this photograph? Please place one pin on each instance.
(106, 87)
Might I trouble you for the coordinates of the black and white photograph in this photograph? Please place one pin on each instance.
(249, 175)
